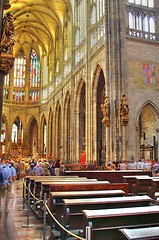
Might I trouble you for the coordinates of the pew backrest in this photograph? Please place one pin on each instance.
(148, 233)
(107, 222)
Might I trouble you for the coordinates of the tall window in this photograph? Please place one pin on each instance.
(34, 69)
(34, 96)
(100, 9)
(14, 133)
(97, 10)
(7, 80)
(20, 69)
(147, 3)
(80, 16)
(5, 93)
(18, 95)
(142, 18)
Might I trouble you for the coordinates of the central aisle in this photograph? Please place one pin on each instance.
(13, 217)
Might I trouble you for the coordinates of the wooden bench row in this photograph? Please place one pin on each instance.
(106, 223)
(72, 201)
(139, 185)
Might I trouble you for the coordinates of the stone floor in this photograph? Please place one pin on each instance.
(14, 221)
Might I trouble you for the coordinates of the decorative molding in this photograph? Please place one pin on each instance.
(6, 63)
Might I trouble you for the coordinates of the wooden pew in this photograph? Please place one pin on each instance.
(73, 216)
(111, 176)
(100, 185)
(56, 203)
(153, 190)
(131, 180)
(35, 187)
(42, 186)
(47, 182)
(32, 179)
(56, 198)
(141, 185)
(105, 223)
(148, 233)
(45, 186)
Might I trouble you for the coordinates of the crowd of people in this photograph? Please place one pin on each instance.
(141, 164)
(11, 170)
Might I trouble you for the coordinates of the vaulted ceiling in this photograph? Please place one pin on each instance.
(36, 21)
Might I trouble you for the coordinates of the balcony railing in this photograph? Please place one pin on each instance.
(142, 35)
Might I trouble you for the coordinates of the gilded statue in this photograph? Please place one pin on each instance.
(124, 110)
(7, 40)
(105, 111)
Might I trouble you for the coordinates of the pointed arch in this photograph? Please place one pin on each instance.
(99, 133)
(33, 136)
(43, 134)
(147, 125)
(80, 118)
(67, 128)
(17, 130)
(58, 132)
(50, 134)
(4, 134)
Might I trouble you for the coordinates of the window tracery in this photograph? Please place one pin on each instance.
(34, 69)
(142, 19)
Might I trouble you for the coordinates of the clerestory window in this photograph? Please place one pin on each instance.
(142, 19)
(146, 3)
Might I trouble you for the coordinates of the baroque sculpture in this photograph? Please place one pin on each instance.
(124, 110)
(105, 111)
(6, 44)
(7, 41)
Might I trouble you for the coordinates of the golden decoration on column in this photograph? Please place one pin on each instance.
(105, 111)
(6, 44)
(124, 111)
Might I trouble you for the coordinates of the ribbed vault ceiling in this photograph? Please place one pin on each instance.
(36, 21)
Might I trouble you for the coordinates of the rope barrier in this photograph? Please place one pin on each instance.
(55, 220)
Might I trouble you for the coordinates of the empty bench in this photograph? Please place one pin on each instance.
(73, 215)
(87, 186)
(131, 180)
(148, 233)
(153, 190)
(56, 203)
(106, 223)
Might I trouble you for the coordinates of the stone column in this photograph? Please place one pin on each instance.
(115, 78)
(123, 143)
(107, 145)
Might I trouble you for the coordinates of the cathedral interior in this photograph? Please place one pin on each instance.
(81, 79)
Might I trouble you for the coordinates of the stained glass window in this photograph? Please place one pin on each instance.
(7, 80)
(5, 93)
(34, 96)
(18, 95)
(20, 69)
(34, 69)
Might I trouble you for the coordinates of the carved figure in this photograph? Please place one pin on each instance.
(105, 111)
(124, 109)
(105, 108)
(7, 40)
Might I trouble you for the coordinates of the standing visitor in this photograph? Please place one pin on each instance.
(57, 167)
